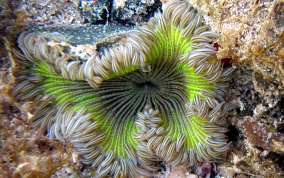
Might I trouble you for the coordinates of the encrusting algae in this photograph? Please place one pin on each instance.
(155, 97)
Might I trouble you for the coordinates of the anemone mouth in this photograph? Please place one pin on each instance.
(162, 88)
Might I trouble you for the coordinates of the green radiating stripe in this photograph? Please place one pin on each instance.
(192, 128)
(194, 132)
(168, 44)
(79, 92)
(117, 134)
(195, 83)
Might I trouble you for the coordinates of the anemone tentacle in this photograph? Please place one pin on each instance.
(155, 96)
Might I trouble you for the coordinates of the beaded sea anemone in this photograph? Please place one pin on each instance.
(157, 96)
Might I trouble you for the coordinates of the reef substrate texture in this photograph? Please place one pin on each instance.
(157, 96)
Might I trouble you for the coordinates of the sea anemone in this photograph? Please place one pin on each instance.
(157, 96)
